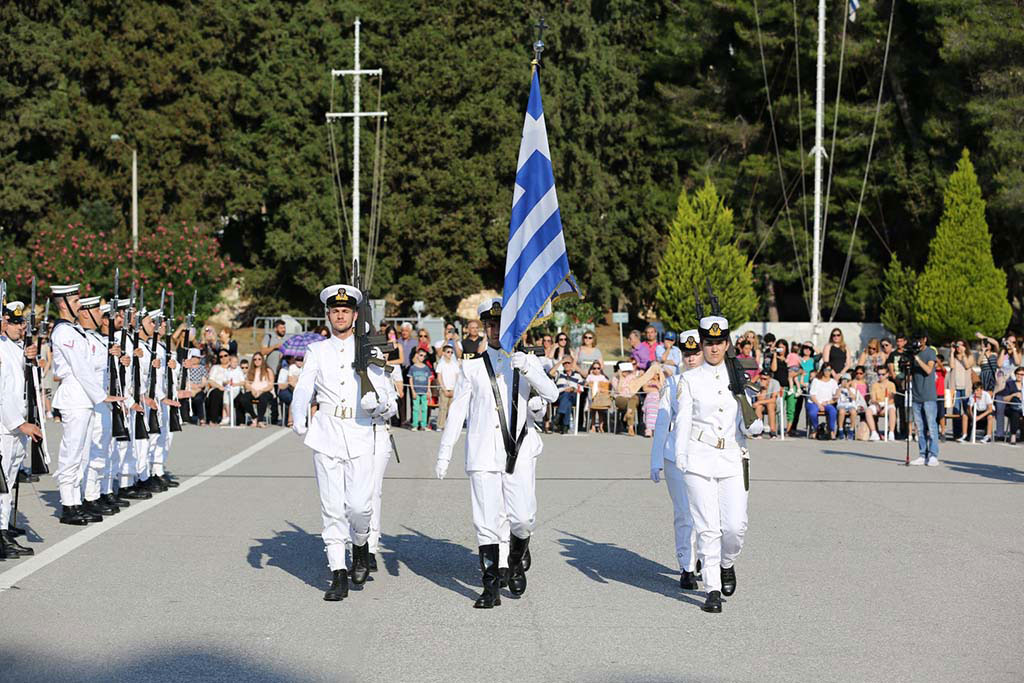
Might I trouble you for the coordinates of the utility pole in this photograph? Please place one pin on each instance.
(819, 153)
(355, 115)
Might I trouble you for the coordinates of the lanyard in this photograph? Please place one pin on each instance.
(511, 446)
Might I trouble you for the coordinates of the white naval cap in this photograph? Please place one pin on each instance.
(714, 328)
(15, 311)
(689, 342)
(155, 314)
(123, 304)
(341, 295)
(489, 309)
(88, 302)
(64, 290)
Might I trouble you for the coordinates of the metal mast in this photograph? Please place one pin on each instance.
(819, 153)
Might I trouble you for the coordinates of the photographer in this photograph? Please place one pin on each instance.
(923, 397)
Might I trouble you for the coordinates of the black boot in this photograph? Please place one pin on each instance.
(153, 485)
(12, 547)
(696, 572)
(15, 531)
(527, 560)
(728, 581)
(373, 562)
(133, 492)
(339, 586)
(89, 515)
(491, 597)
(516, 574)
(360, 563)
(167, 481)
(111, 499)
(503, 577)
(714, 603)
(70, 515)
(688, 581)
(100, 507)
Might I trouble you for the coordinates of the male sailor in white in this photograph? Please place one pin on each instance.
(74, 360)
(500, 499)
(663, 449)
(127, 450)
(149, 383)
(710, 449)
(15, 431)
(160, 443)
(341, 435)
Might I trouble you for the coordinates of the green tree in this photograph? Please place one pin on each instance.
(961, 291)
(700, 246)
(899, 301)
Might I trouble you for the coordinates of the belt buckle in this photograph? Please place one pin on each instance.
(721, 443)
(342, 412)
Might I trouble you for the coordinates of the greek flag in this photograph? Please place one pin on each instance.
(536, 267)
(854, 6)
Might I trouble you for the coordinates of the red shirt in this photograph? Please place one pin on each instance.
(940, 382)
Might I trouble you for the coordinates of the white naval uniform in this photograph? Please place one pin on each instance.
(381, 456)
(79, 392)
(160, 444)
(707, 412)
(502, 503)
(143, 447)
(663, 457)
(341, 435)
(123, 459)
(13, 412)
(96, 463)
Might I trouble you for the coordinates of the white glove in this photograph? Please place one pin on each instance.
(755, 428)
(519, 362)
(441, 468)
(369, 403)
(679, 464)
(536, 406)
(655, 474)
(299, 428)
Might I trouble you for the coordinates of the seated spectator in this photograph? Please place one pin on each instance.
(599, 390)
(639, 354)
(195, 385)
(744, 352)
(258, 392)
(766, 402)
(217, 381)
(570, 383)
(983, 410)
(848, 403)
(287, 378)
(668, 354)
(1008, 404)
(325, 333)
(588, 353)
(882, 395)
(823, 394)
(623, 374)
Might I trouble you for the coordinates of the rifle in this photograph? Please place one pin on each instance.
(140, 421)
(185, 410)
(154, 413)
(736, 368)
(371, 349)
(173, 416)
(118, 425)
(33, 414)
(4, 488)
(121, 370)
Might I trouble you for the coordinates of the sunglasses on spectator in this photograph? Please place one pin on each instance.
(448, 350)
(223, 355)
(588, 336)
(858, 373)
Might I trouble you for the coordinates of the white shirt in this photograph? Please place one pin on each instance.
(74, 364)
(822, 391)
(983, 403)
(706, 408)
(13, 404)
(447, 372)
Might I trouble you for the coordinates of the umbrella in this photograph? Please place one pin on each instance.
(296, 346)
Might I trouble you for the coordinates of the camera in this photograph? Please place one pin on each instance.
(915, 346)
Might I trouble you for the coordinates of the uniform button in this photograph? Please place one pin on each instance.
(721, 410)
(719, 391)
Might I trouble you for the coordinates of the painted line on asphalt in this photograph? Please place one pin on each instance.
(26, 567)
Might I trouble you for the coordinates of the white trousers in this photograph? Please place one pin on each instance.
(74, 450)
(381, 456)
(12, 451)
(346, 503)
(686, 534)
(504, 504)
(153, 449)
(97, 462)
(158, 453)
(719, 509)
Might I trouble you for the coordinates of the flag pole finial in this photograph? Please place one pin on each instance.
(538, 45)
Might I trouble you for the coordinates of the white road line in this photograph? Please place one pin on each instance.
(26, 567)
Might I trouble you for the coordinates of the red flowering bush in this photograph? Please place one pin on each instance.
(180, 259)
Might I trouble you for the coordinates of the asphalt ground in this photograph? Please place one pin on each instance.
(855, 568)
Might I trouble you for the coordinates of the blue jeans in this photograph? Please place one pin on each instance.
(927, 429)
(830, 413)
(566, 402)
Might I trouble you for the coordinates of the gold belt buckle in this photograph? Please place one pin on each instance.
(343, 412)
(721, 443)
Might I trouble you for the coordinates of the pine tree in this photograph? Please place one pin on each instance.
(899, 301)
(961, 291)
(700, 246)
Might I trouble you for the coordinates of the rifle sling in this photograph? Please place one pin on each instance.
(511, 446)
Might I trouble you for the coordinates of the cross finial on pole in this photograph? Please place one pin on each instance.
(538, 46)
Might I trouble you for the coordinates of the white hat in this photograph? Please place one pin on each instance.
(123, 304)
(714, 328)
(155, 314)
(341, 295)
(689, 341)
(489, 309)
(105, 308)
(15, 311)
(88, 302)
(62, 290)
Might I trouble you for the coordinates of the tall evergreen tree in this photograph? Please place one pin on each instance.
(700, 246)
(899, 302)
(961, 291)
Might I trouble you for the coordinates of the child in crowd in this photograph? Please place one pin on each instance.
(419, 378)
(983, 408)
(847, 405)
(940, 394)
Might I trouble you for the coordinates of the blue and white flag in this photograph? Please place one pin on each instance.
(536, 267)
(854, 6)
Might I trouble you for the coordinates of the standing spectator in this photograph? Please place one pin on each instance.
(767, 352)
(447, 370)
(668, 354)
(899, 363)
(961, 362)
(983, 410)
(423, 342)
(419, 383)
(806, 365)
(835, 354)
(258, 392)
(270, 347)
(776, 363)
(562, 348)
(587, 353)
(651, 342)
(1008, 404)
(639, 352)
(766, 402)
(287, 378)
(923, 401)
(822, 398)
(549, 347)
(623, 374)
(792, 393)
(408, 344)
(209, 345)
(988, 362)
(872, 358)
(451, 336)
(226, 342)
(569, 383)
(473, 343)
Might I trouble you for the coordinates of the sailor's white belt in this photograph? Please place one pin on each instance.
(714, 441)
(343, 412)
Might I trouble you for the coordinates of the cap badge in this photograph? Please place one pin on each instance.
(715, 329)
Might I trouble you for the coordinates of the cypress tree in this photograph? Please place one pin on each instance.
(700, 246)
(899, 302)
(961, 291)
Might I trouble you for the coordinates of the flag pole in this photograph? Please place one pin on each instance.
(538, 46)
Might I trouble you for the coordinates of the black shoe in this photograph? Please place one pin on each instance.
(15, 531)
(22, 477)
(728, 581)
(168, 482)
(688, 581)
(503, 577)
(360, 563)
(491, 597)
(373, 563)
(90, 516)
(339, 586)
(714, 603)
(114, 501)
(71, 515)
(13, 548)
(527, 560)
(100, 507)
(696, 572)
(133, 492)
(152, 485)
(516, 574)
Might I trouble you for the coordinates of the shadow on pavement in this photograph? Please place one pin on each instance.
(444, 563)
(985, 470)
(913, 454)
(296, 551)
(606, 562)
(52, 500)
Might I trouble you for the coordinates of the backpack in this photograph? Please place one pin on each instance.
(823, 433)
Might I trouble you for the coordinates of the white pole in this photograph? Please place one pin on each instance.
(135, 206)
(819, 151)
(781, 420)
(974, 424)
(622, 350)
(355, 159)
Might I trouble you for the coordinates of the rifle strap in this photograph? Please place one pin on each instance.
(511, 445)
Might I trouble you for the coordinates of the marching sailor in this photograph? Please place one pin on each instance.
(341, 435)
(489, 391)
(74, 360)
(710, 450)
(127, 455)
(15, 431)
(663, 449)
(160, 444)
(144, 448)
